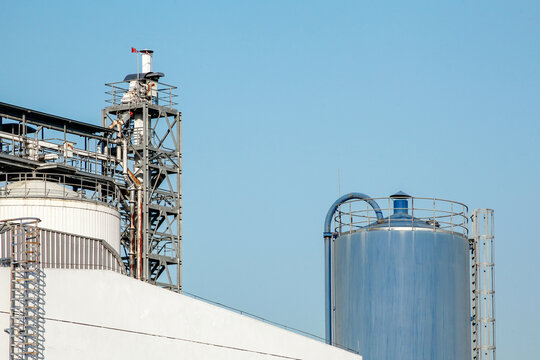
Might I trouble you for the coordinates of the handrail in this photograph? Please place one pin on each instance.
(345, 198)
(434, 213)
(69, 251)
(86, 189)
(163, 95)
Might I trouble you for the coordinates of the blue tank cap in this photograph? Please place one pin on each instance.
(400, 194)
(401, 205)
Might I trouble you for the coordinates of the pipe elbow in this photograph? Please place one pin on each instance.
(345, 198)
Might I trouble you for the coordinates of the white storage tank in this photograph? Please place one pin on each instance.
(61, 209)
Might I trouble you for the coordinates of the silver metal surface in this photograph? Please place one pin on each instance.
(400, 285)
(402, 294)
(483, 280)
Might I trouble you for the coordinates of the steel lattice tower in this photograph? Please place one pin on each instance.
(148, 147)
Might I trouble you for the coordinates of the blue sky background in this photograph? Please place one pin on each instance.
(434, 98)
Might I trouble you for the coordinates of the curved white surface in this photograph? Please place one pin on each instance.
(77, 217)
(37, 188)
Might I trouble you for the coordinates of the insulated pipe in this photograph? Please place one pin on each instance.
(329, 256)
(118, 125)
(125, 160)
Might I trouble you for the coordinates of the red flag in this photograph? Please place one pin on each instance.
(133, 50)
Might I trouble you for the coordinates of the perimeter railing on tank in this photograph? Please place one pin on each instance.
(439, 214)
(163, 95)
(38, 185)
(60, 250)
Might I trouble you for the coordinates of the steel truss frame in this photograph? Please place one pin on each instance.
(135, 169)
(151, 207)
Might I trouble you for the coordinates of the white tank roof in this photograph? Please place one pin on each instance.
(61, 209)
(37, 188)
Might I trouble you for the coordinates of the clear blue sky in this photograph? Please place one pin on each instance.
(433, 98)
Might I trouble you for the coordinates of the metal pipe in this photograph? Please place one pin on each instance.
(345, 198)
(134, 240)
(125, 159)
(118, 125)
(139, 233)
(329, 318)
(329, 256)
(132, 233)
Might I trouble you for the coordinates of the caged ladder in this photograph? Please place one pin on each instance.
(25, 328)
(483, 293)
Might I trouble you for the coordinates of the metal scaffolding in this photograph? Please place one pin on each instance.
(149, 132)
(26, 312)
(483, 295)
(132, 163)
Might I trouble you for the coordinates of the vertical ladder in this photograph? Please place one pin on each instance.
(25, 314)
(482, 275)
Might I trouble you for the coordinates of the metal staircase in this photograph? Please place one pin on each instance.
(148, 134)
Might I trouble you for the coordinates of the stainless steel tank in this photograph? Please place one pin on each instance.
(398, 283)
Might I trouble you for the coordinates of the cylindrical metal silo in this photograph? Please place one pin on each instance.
(61, 209)
(398, 283)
